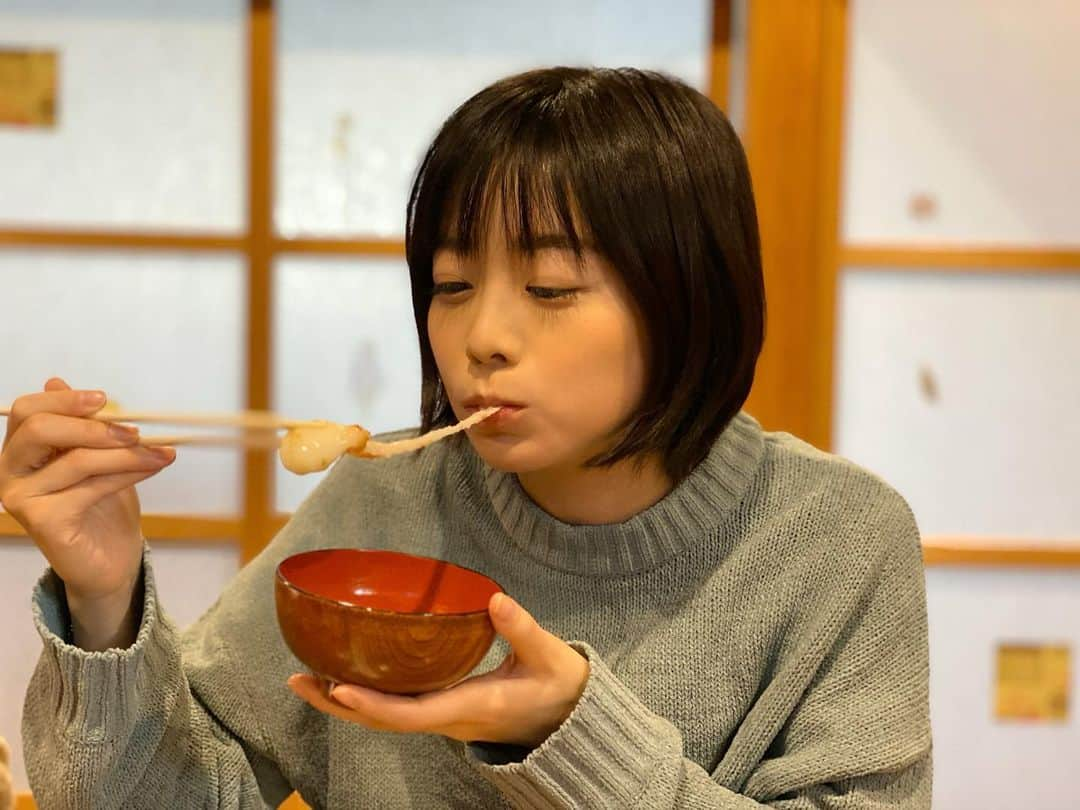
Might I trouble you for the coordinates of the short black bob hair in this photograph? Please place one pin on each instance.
(649, 173)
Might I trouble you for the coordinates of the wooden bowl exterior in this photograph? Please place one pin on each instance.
(396, 652)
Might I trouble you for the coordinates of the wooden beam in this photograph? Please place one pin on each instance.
(793, 137)
(200, 529)
(830, 157)
(1018, 554)
(258, 477)
(159, 527)
(134, 240)
(921, 258)
(347, 247)
(120, 240)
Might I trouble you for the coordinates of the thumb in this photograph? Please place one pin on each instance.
(56, 384)
(527, 638)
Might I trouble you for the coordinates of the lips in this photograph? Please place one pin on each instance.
(502, 420)
(476, 403)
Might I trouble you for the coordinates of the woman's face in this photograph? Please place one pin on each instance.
(554, 339)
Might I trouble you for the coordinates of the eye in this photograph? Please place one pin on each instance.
(450, 288)
(551, 293)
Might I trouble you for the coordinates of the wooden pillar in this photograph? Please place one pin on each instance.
(794, 96)
(258, 473)
(720, 54)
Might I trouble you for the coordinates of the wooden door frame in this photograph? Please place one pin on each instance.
(794, 114)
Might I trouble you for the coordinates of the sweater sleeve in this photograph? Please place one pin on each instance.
(198, 718)
(124, 728)
(858, 738)
(192, 719)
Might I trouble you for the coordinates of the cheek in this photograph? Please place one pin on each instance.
(440, 336)
(440, 341)
(626, 369)
(604, 365)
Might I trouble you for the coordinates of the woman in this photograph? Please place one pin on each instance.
(703, 615)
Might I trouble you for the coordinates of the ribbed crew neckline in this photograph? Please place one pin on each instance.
(696, 507)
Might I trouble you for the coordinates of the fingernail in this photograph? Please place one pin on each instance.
(164, 453)
(343, 695)
(93, 399)
(123, 433)
(502, 606)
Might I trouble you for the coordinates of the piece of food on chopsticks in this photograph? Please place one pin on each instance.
(315, 446)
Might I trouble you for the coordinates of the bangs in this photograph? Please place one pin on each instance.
(524, 190)
(535, 204)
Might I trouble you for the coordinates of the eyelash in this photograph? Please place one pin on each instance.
(540, 293)
(449, 288)
(552, 293)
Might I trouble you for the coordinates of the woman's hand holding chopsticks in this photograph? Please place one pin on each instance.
(69, 480)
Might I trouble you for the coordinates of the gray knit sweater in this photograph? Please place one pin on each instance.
(758, 637)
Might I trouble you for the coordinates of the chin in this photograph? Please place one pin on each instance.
(510, 455)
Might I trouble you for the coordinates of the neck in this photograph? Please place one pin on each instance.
(597, 495)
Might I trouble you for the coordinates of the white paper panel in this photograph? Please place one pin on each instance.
(156, 332)
(978, 761)
(190, 577)
(737, 66)
(365, 86)
(972, 102)
(151, 115)
(963, 391)
(346, 349)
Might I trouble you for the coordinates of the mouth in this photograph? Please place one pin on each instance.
(507, 409)
(473, 404)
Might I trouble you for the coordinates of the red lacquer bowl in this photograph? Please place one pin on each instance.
(390, 621)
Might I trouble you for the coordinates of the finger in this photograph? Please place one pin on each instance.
(84, 463)
(54, 400)
(65, 402)
(530, 642)
(431, 712)
(311, 690)
(74, 500)
(85, 495)
(42, 433)
(56, 384)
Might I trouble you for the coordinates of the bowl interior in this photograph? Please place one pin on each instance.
(389, 580)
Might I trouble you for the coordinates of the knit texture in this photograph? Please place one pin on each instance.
(756, 638)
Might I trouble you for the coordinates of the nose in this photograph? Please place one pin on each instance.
(491, 339)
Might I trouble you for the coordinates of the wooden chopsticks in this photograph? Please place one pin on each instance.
(260, 440)
(250, 420)
(258, 428)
